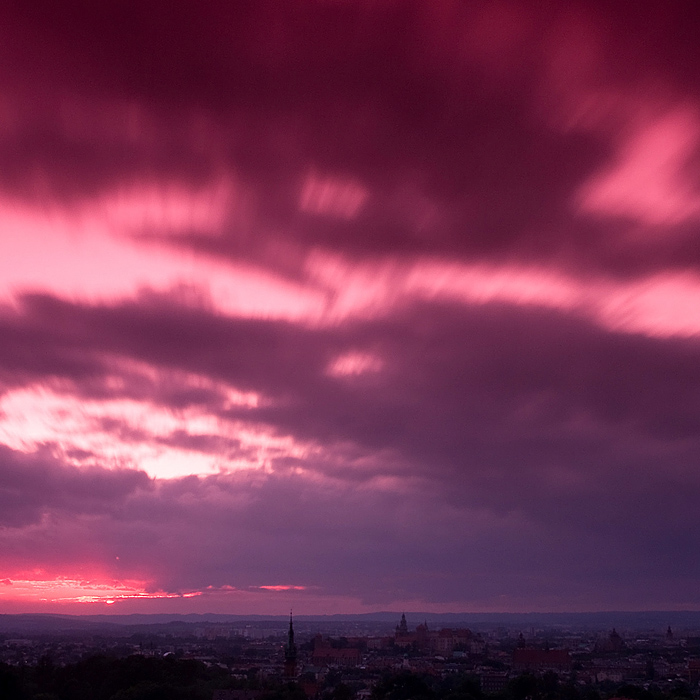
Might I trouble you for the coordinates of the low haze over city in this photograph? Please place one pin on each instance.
(350, 307)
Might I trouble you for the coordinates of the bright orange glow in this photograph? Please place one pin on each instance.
(63, 589)
(283, 588)
(40, 588)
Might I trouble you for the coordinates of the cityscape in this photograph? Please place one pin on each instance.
(356, 658)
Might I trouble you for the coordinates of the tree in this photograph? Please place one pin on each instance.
(402, 686)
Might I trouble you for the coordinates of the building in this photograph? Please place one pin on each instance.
(494, 683)
(539, 660)
(237, 694)
(612, 643)
(290, 653)
(326, 655)
(402, 637)
(694, 671)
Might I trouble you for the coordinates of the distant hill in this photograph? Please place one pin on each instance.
(644, 620)
(39, 623)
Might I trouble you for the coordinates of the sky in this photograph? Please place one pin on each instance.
(349, 305)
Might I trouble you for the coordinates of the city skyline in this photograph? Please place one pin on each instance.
(349, 306)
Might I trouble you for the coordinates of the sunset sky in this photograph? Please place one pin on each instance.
(349, 305)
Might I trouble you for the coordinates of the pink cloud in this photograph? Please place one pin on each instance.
(282, 588)
(332, 196)
(650, 181)
(661, 304)
(165, 443)
(353, 364)
(83, 258)
(149, 207)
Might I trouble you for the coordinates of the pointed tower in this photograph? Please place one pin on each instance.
(290, 653)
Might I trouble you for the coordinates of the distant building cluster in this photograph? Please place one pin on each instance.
(443, 641)
(359, 658)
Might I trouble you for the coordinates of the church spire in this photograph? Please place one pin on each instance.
(290, 652)
(290, 635)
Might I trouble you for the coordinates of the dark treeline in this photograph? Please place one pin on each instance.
(104, 678)
(411, 686)
(146, 678)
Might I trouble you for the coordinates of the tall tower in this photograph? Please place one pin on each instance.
(290, 654)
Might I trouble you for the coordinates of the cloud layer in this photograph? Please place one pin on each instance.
(353, 304)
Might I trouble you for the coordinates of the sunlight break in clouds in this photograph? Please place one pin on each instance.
(65, 590)
(123, 432)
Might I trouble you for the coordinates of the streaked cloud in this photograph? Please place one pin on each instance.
(348, 306)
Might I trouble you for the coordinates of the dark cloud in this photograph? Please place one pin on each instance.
(447, 371)
(34, 484)
(213, 444)
(555, 443)
(247, 531)
(459, 156)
